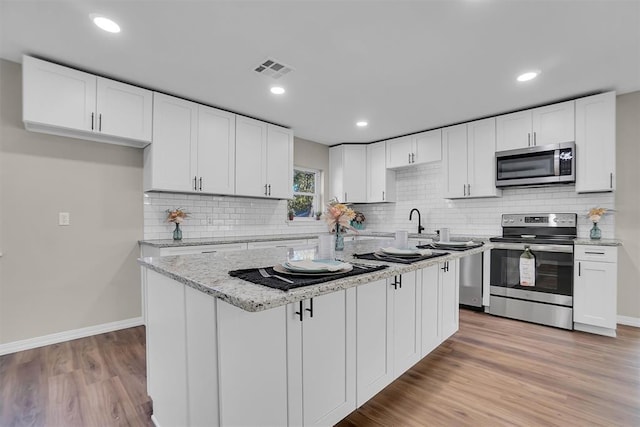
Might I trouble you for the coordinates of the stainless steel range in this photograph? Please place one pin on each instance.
(550, 239)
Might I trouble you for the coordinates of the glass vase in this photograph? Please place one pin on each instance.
(177, 233)
(339, 240)
(595, 232)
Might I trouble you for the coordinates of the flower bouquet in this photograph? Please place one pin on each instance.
(339, 217)
(595, 215)
(177, 216)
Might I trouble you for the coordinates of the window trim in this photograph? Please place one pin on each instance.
(317, 195)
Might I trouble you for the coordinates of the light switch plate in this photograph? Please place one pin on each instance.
(64, 218)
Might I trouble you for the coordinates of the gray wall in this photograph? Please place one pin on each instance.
(628, 203)
(54, 278)
(312, 155)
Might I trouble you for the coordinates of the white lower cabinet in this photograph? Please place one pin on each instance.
(374, 335)
(253, 367)
(595, 289)
(406, 321)
(321, 355)
(430, 310)
(440, 304)
(450, 298)
(387, 335)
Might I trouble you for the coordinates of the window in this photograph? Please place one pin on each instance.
(306, 193)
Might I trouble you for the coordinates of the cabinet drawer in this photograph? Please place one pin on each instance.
(596, 253)
(202, 249)
(278, 244)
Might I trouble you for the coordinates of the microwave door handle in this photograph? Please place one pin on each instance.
(556, 163)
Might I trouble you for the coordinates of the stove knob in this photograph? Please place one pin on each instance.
(511, 221)
(556, 220)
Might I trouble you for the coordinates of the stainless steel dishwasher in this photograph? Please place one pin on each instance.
(471, 281)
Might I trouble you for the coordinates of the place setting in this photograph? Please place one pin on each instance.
(304, 267)
(401, 252)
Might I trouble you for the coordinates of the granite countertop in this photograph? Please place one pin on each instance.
(208, 273)
(600, 242)
(169, 243)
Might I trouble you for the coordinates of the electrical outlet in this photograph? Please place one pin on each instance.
(209, 220)
(64, 218)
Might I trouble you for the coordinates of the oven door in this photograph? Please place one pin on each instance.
(554, 273)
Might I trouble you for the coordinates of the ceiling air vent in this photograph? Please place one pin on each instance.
(272, 68)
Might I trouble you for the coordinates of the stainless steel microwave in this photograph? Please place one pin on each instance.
(539, 165)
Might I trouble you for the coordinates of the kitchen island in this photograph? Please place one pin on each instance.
(222, 351)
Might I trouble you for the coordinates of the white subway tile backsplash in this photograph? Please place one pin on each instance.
(421, 187)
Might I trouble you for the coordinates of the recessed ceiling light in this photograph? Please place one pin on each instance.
(277, 90)
(105, 23)
(530, 75)
(361, 124)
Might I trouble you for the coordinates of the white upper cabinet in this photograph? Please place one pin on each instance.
(193, 149)
(251, 155)
(420, 148)
(596, 143)
(279, 162)
(63, 101)
(481, 158)
(264, 159)
(454, 161)
(216, 151)
(381, 182)
(168, 161)
(551, 124)
(399, 151)
(348, 173)
(427, 146)
(468, 160)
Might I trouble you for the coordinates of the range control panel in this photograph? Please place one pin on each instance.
(540, 220)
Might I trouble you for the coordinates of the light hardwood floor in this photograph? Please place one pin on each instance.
(492, 372)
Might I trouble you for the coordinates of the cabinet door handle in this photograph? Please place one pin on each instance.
(464, 190)
(528, 140)
(579, 268)
(300, 312)
(383, 195)
(400, 282)
(395, 282)
(269, 189)
(535, 142)
(265, 189)
(200, 183)
(594, 253)
(100, 122)
(208, 252)
(611, 180)
(409, 154)
(92, 115)
(413, 157)
(310, 309)
(195, 183)
(345, 197)
(468, 189)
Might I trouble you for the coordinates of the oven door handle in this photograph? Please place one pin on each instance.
(534, 247)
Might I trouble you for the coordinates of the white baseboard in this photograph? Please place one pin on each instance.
(59, 337)
(629, 321)
(155, 421)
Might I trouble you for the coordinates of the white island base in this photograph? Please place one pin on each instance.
(306, 363)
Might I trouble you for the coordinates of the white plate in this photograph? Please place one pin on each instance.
(469, 243)
(408, 252)
(280, 269)
(314, 266)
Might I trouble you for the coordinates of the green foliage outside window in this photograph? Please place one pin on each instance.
(304, 186)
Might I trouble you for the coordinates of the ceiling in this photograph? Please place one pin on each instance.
(404, 66)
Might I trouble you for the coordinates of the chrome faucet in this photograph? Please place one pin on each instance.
(420, 227)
